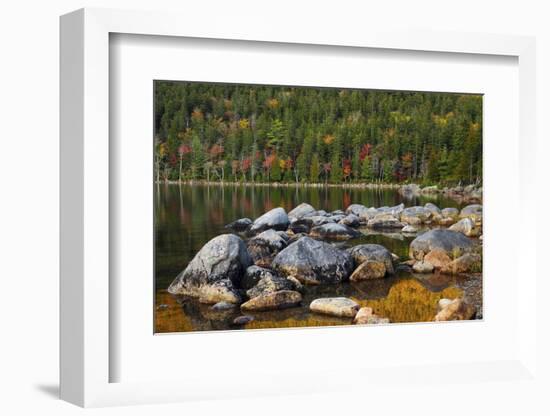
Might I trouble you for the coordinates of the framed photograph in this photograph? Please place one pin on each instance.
(290, 202)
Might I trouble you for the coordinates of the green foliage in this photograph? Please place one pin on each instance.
(234, 132)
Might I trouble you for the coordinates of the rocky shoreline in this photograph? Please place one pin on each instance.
(270, 263)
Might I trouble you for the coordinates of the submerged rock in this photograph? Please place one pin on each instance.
(365, 316)
(243, 320)
(276, 300)
(369, 270)
(314, 262)
(423, 267)
(372, 252)
(334, 231)
(276, 219)
(240, 225)
(215, 272)
(223, 306)
(455, 310)
(342, 307)
(415, 215)
(451, 242)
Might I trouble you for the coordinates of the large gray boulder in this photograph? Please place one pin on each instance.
(453, 243)
(314, 262)
(215, 272)
(276, 219)
(372, 252)
(334, 231)
(384, 221)
(301, 211)
(351, 220)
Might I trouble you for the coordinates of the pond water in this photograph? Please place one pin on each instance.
(188, 216)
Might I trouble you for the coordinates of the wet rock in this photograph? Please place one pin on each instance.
(162, 307)
(365, 316)
(356, 209)
(445, 221)
(394, 211)
(372, 252)
(243, 320)
(450, 213)
(409, 229)
(474, 212)
(270, 283)
(253, 275)
(338, 212)
(314, 262)
(468, 263)
(215, 272)
(415, 215)
(423, 267)
(467, 227)
(342, 307)
(336, 217)
(223, 306)
(304, 225)
(456, 310)
(451, 242)
(265, 246)
(434, 209)
(301, 211)
(296, 284)
(438, 258)
(369, 270)
(381, 221)
(334, 231)
(276, 219)
(276, 300)
(240, 225)
(351, 220)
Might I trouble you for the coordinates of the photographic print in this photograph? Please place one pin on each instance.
(288, 206)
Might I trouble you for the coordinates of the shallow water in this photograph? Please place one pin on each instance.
(187, 216)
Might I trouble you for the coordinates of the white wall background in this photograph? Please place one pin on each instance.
(29, 116)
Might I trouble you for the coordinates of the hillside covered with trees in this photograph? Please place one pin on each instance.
(229, 132)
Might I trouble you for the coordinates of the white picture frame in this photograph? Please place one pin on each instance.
(85, 213)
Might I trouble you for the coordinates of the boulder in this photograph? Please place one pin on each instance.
(438, 258)
(430, 189)
(450, 213)
(215, 272)
(276, 219)
(356, 209)
(342, 307)
(270, 283)
(336, 217)
(334, 231)
(314, 262)
(451, 242)
(415, 215)
(365, 316)
(265, 246)
(468, 263)
(467, 227)
(409, 229)
(240, 225)
(423, 267)
(351, 220)
(305, 224)
(368, 270)
(275, 300)
(474, 212)
(301, 211)
(253, 275)
(372, 252)
(383, 220)
(445, 221)
(456, 310)
(434, 209)
(395, 211)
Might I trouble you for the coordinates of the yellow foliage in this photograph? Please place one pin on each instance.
(244, 123)
(197, 114)
(328, 139)
(273, 103)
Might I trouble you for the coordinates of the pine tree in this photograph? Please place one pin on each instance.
(198, 157)
(276, 170)
(314, 168)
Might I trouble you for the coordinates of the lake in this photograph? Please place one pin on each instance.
(188, 216)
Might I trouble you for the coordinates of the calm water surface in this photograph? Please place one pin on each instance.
(187, 216)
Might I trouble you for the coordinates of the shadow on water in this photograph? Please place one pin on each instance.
(187, 216)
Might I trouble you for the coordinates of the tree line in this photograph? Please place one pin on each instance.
(231, 132)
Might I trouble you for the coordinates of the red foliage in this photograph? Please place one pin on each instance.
(268, 162)
(347, 168)
(245, 164)
(216, 150)
(184, 149)
(365, 151)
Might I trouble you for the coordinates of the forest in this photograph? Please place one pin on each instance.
(256, 133)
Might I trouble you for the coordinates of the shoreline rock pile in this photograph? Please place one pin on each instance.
(273, 260)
